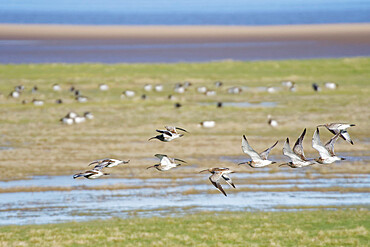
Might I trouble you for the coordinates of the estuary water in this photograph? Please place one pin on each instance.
(55, 199)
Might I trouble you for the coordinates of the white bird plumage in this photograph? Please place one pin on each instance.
(327, 154)
(258, 160)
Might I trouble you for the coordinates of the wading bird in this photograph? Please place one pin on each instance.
(258, 160)
(169, 134)
(297, 155)
(341, 128)
(166, 163)
(327, 155)
(218, 173)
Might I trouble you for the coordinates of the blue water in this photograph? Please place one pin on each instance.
(185, 12)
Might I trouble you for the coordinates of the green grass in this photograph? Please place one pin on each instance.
(302, 228)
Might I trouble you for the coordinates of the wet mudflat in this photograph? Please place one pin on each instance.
(266, 190)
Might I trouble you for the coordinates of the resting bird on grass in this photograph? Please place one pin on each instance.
(258, 160)
(217, 174)
(169, 134)
(166, 163)
(327, 155)
(297, 155)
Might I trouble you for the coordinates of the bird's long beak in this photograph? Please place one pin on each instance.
(242, 163)
(204, 171)
(285, 164)
(181, 160)
(182, 129)
(150, 167)
(152, 138)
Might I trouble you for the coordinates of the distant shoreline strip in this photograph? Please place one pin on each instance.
(345, 32)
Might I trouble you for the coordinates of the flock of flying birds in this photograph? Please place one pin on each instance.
(297, 156)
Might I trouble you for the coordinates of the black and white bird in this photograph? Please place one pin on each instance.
(217, 174)
(88, 115)
(38, 102)
(341, 128)
(296, 156)
(81, 99)
(258, 160)
(91, 174)
(272, 122)
(169, 134)
(316, 87)
(327, 154)
(107, 162)
(166, 163)
(15, 94)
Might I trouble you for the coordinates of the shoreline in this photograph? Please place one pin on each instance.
(172, 44)
(348, 32)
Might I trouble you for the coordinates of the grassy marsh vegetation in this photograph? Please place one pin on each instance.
(40, 145)
(302, 228)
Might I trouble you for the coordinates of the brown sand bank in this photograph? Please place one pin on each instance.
(153, 44)
(358, 33)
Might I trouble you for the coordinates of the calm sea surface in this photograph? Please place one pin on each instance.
(179, 12)
(185, 12)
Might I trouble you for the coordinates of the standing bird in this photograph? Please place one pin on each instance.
(108, 163)
(169, 134)
(327, 155)
(218, 173)
(316, 87)
(91, 174)
(258, 160)
(341, 128)
(166, 163)
(297, 155)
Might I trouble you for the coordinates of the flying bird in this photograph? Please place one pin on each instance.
(169, 134)
(327, 155)
(91, 174)
(258, 160)
(341, 128)
(217, 174)
(166, 163)
(107, 163)
(296, 156)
